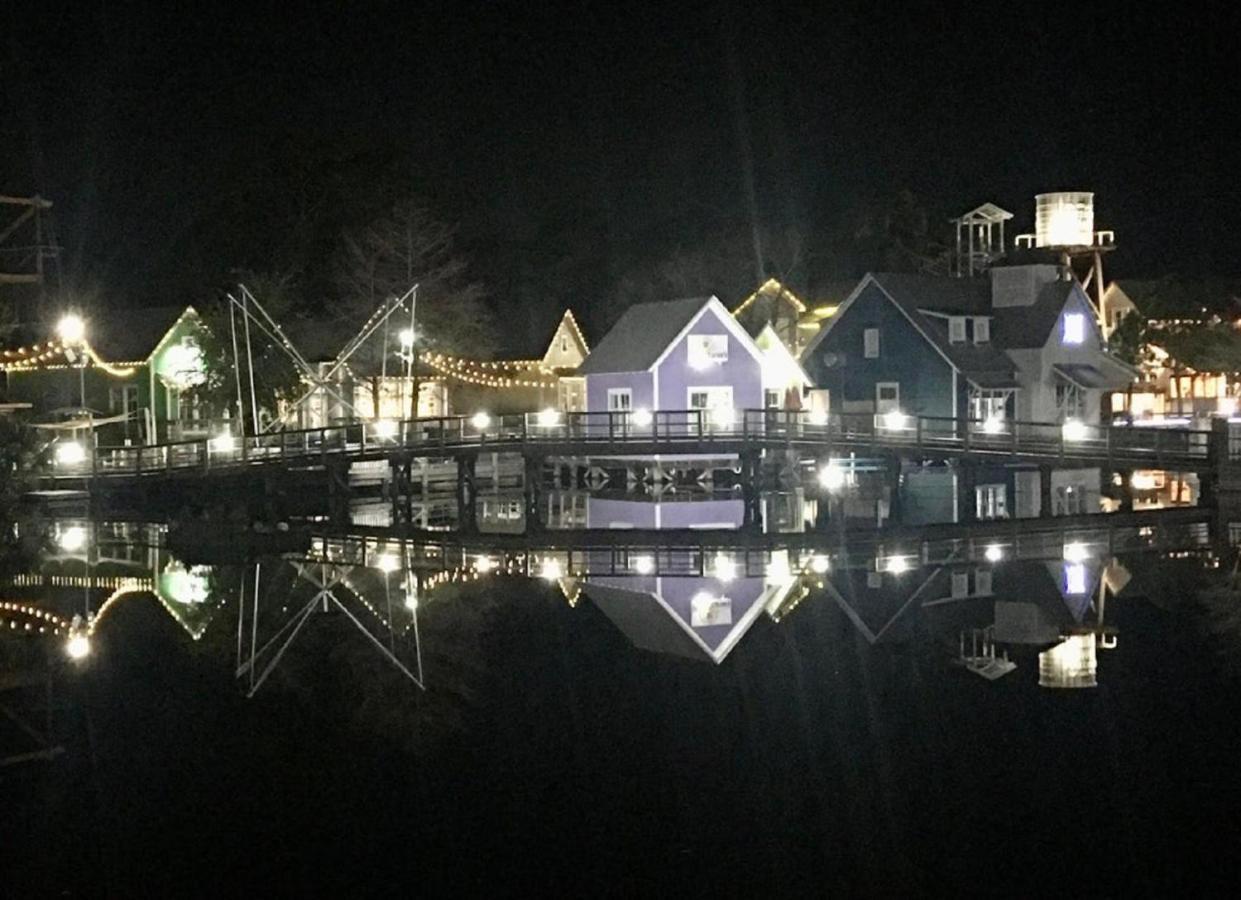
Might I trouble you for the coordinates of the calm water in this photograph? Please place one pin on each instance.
(738, 715)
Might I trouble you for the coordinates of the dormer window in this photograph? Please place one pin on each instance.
(982, 330)
(1074, 328)
(956, 329)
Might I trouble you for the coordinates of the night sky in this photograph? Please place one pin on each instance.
(578, 148)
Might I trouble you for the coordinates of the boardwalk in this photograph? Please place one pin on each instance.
(693, 433)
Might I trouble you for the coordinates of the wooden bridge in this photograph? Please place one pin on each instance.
(695, 433)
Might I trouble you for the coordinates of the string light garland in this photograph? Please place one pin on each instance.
(769, 287)
(38, 357)
(479, 372)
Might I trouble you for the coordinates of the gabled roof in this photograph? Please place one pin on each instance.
(569, 327)
(647, 331)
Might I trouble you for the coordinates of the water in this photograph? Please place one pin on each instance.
(821, 730)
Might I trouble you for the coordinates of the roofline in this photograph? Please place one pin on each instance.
(801, 370)
(713, 302)
(840, 313)
(159, 345)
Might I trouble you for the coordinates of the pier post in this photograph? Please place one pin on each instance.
(1044, 491)
(967, 481)
(467, 492)
(532, 485)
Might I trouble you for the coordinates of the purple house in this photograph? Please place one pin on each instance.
(683, 606)
(679, 355)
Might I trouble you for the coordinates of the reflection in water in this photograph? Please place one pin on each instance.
(686, 577)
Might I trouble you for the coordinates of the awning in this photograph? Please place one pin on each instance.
(992, 380)
(1087, 376)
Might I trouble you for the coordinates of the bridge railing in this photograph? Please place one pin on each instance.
(1152, 447)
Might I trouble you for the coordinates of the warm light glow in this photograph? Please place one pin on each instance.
(1064, 219)
(411, 602)
(1143, 481)
(1075, 430)
(994, 553)
(993, 425)
(642, 418)
(1227, 406)
(831, 477)
(1076, 552)
(817, 417)
(484, 564)
(78, 646)
(406, 337)
(897, 565)
(387, 563)
(723, 416)
(551, 569)
(182, 365)
(1072, 663)
(71, 329)
(725, 569)
(385, 428)
(818, 564)
(70, 453)
(481, 421)
(72, 539)
(895, 420)
(549, 417)
(643, 565)
(224, 443)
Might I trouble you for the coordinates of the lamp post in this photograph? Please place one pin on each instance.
(71, 330)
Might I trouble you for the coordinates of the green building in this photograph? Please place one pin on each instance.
(133, 374)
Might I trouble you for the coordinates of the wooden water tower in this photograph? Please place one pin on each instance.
(1064, 224)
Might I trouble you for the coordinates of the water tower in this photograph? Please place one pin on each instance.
(1064, 224)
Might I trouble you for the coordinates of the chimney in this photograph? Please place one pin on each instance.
(1020, 285)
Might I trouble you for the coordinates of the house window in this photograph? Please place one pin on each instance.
(988, 406)
(1070, 404)
(1074, 328)
(960, 585)
(982, 582)
(620, 399)
(1075, 578)
(707, 609)
(956, 329)
(564, 345)
(717, 402)
(982, 330)
(707, 350)
(1068, 500)
(991, 501)
(870, 343)
(887, 396)
(771, 399)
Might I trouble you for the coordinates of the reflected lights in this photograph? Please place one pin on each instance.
(549, 417)
(480, 420)
(643, 565)
(70, 453)
(387, 563)
(224, 443)
(897, 565)
(993, 425)
(831, 476)
(818, 564)
(994, 553)
(1075, 552)
(1074, 430)
(725, 569)
(385, 428)
(72, 539)
(78, 646)
(895, 420)
(484, 564)
(551, 569)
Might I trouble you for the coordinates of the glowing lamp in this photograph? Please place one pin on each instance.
(895, 420)
(723, 416)
(817, 417)
(1227, 406)
(993, 425)
(994, 553)
(224, 443)
(385, 428)
(1075, 552)
(484, 564)
(78, 646)
(549, 417)
(1142, 481)
(725, 569)
(1074, 430)
(72, 539)
(387, 563)
(642, 418)
(406, 337)
(70, 453)
(643, 565)
(71, 329)
(551, 569)
(481, 421)
(818, 564)
(411, 602)
(897, 565)
(831, 477)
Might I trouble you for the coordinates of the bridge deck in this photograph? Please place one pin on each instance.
(694, 434)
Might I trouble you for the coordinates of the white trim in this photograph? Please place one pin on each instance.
(171, 328)
(835, 320)
(731, 324)
(620, 392)
(709, 388)
(884, 384)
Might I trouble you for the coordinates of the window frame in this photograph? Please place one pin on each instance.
(984, 323)
(1073, 331)
(870, 343)
(956, 329)
(617, 393)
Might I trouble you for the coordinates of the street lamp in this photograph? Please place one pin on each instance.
(71, 330)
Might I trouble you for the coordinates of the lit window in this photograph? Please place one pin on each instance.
(870, 343)
(982, 330)
(620, 399)
(1074, 328)
(1074, 578)
(956, 330)
(771, 399)
(707, 349)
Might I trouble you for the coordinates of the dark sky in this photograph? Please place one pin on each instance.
(577, 145)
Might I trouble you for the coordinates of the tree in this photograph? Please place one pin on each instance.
(408, 245)
(894, 234)
(276, 377)
(1128, 340)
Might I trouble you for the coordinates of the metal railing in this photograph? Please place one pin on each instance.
(682, 431)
